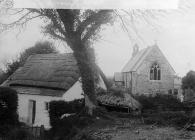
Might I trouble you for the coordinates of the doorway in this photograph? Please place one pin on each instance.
(32, 111)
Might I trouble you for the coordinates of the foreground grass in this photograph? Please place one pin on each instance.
(146, 132)
(134, 129)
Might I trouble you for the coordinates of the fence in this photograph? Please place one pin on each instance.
(28, 133)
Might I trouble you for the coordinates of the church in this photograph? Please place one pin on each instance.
(149, 72)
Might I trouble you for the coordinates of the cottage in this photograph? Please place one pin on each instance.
(43, 78)
(148, 72)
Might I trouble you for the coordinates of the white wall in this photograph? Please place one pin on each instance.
(75, 92)
(42, 116)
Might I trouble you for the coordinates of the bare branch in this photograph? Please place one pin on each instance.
(17, 21)
(51, 15)
(123, 24)
(17, 11)
(100, 15)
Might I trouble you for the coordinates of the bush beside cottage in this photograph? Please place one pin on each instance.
(67, 118)
(8, 110)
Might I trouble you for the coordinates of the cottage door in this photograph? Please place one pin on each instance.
(31, 111)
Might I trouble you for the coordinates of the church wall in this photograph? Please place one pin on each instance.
(143, 84)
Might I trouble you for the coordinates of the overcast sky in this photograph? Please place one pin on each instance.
(174, 34)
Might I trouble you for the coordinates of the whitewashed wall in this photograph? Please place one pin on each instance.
(75, 92)
(42, 116)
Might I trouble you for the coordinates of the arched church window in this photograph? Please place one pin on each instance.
(155, 72)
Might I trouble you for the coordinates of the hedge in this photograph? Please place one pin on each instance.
(167, 118)
(68, 126)
(58, 108)
(8, 109)
(160, 102)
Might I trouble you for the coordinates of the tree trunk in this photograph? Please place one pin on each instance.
(86, 64)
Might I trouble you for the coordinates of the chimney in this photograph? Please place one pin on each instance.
(135, 50)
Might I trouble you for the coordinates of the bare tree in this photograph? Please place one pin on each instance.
(78, 28)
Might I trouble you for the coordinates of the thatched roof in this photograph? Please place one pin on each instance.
(38, 91)
(127, 101)
(52, 71)
(47, 74)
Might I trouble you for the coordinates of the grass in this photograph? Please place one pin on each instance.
(146, 132)
(134, 129)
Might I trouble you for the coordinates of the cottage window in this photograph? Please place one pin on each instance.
(46, 106)
(155, 73)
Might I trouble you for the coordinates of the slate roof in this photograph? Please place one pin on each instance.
(131, 64)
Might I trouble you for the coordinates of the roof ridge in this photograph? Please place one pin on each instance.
(52, 54)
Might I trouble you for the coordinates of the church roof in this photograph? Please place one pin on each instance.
(135, 61)
(131, 64)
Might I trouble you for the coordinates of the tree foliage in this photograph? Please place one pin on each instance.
(188, 81)
(39, 48)
(3, 77)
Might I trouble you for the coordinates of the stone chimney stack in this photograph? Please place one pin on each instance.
(135, 50)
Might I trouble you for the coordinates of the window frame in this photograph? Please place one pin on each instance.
(46, 106)
(152, 77)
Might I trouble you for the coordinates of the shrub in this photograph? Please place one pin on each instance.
(8, 109)
(188, 81)
(85, 136)
(173, 118)
(70, 126)
(19, 134)
(160, 102)
(67, 126)
(163, 109)
(58, 108)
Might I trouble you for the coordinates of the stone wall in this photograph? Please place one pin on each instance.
(141, 78)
